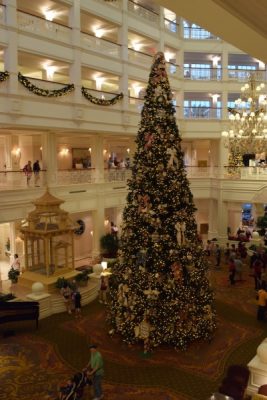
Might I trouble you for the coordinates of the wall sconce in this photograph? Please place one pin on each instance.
(215, 60)
(90, 149)
(104, 152)
(16, 152)
(128, 150)
(64, 151)
(41, 149)
(98, 32)
(136, 46)
(50, 70)
(49, 15)
(98, 82)
(92, 233)
(106, 222)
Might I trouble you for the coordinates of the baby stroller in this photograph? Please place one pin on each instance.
(74, 387)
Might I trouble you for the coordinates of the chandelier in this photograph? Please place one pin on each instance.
(248, 120)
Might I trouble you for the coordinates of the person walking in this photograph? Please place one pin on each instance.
(36, 171)
(262, 299)
(232, 271)
(66, 293)
(238, 267)
(96, 372)
(76, 297)
(218, 253)
(27, 169)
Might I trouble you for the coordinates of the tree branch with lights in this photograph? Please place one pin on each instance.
(101, 102)
(67, 89)
(4, 75)
(159, 289)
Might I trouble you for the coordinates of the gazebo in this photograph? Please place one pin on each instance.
(48, 235)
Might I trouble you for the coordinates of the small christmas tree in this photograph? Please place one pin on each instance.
(235, 159)
(159, 290)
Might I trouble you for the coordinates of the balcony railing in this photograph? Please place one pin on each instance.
(171, 26)
(91, 42)
(202, 113)
(2, 14)
(244, 75)
(16, 180)
(198, 34)
(144, 13)
(75, 176)
(138, 57)
(40, 26)
(117, 175)
(206, 74)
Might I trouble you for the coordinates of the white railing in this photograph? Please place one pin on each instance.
(18, 179)
(40, 26)
(202, 113)
(100, 45)
(143, 12)
(12, 180)
(117, 175)
(196, 33)
(116, 3)
(244, 75)
(135, 104)
(206, 74)
(171, 26)
(73, 176)
(140, 58)
(2, 14)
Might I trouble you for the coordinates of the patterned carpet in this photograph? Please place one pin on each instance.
(33, 363)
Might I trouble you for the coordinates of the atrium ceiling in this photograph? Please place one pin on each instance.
(243, 23)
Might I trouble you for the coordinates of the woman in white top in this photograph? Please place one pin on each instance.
(16, 263)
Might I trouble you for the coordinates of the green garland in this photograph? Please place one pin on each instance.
(44, 92)
(101, 102)
(4, 76)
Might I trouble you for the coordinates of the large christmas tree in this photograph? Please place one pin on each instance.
(159, 290)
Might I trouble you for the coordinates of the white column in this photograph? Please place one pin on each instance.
(11, 52)
(222, 219)
(75, 68)
(224, 62)
(12, 152)
(97, 157)
(98, 226)
(213, 225)
(161, 44)
(123, 39)
(49, 150)
(222, 156)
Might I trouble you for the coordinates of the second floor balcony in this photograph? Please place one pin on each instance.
(16, 180)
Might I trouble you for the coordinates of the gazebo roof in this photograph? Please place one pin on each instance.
(48, 200)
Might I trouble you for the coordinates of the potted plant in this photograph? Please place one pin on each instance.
(110, 245)
(82, 278)
(61, 282)
(13, 275)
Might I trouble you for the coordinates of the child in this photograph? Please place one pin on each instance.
(103, 289)
(67, 391)
(76, 297)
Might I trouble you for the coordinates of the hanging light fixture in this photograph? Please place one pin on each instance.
(248, 120)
